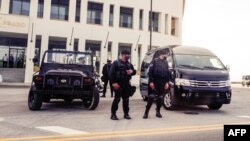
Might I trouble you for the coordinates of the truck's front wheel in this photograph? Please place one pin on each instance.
(91, 104)
(215, 106)
(34, 100)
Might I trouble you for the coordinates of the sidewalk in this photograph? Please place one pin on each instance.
(14, 85)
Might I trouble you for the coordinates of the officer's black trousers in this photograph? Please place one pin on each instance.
(124, 94)
(158, 95)
(105, 87)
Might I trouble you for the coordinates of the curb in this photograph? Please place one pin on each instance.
(14, 85)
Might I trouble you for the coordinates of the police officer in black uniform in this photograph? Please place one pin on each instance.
(106, 78)
(158, 82)
(120, 74)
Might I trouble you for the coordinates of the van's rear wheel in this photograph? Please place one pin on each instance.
(169, 100)
(215, 106)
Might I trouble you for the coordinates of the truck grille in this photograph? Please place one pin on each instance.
(63, 81)
(196, 83)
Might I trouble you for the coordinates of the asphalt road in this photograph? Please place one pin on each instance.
(65, 122)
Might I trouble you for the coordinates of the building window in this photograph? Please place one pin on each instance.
(110, 50)
(94, 13)
(78, 10)
(166, 24)
(13, 51)
(141, 20)
(40, 8)
(154, 22)
(76, 41)
(20, 7)
(126, 17)
(111, 15)
(59, 9)
(56, 43)
(174, 25)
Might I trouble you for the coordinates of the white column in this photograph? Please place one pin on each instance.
(145, 20)
(29, 64)
(81, 44)
(72, 11)
(105, 18)
(169, 24)
(47, 9)
(30, 52)
(70, 43)
(83, 13)
(162, 23)
(114, 50)
(116, 15)
(70, 37)
(136, 19)
(5, 6)
(104, 56)
(44, 45)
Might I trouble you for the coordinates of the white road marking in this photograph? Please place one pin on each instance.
(244, 116)
(1, 119)
(61, 130)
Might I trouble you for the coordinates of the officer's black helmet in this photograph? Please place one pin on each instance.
(125, 52)
(162, 52)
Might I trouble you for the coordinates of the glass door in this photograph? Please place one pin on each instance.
(17, 58)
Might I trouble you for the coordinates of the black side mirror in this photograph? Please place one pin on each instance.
(35, 60)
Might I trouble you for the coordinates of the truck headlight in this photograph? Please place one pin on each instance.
(228, 83)
(77, 83)
(50, 82)
(182, 82)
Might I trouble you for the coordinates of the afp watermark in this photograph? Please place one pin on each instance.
(236, 132)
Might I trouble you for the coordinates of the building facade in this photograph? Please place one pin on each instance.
(103, 27)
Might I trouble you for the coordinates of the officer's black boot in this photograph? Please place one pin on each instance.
(158, 114)
(145, 116)
(147, 110)
(149, 104)
(126, 116)
(114, 117)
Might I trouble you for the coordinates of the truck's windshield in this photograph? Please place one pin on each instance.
(68, 58)
(199, 62)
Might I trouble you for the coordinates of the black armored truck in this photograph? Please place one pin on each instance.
(66, 75)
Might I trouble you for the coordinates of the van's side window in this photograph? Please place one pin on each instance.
(170, 62)
(145, 64)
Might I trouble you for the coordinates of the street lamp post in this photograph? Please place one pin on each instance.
(151, 23)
